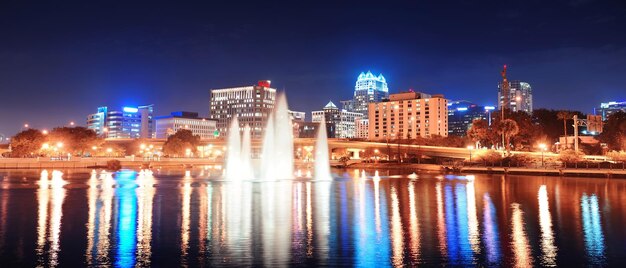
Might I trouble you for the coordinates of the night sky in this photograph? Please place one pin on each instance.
(59, 61)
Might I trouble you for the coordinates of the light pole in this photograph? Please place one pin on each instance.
(470, 148)
(543, 149)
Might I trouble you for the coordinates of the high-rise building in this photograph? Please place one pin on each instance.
(408, 115)
(368, 88)
(169, 124)
(252, 105)
(607, 108)
(128, 123)
(520, 96)
(462, 113)
(343, 120)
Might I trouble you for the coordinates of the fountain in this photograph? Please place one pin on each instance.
(277, 156)
(322, 166)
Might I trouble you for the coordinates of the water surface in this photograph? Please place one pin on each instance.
(176, 218)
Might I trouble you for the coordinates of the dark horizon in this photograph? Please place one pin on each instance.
(60, 61)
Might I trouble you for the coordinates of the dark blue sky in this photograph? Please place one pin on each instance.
(61, 60)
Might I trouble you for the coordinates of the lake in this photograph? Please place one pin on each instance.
(174, 218)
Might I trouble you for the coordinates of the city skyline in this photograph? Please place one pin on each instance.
(172, 57)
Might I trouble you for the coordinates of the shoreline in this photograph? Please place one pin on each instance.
(33, 163)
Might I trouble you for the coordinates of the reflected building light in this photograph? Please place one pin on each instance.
(414, 224)
(92, 199)
(56, 214)
(545, 222)
(145, 196)
(474, 236)
(441, 224)
(397, 240)
(377, 203)
(43, 197)
(44, 181)
(185, 219)
(127, 219)
(519, 243)
(491, 237)
(592, 229)
(309, 221)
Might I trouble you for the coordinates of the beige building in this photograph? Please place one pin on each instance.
(361, 126)
(408, 115)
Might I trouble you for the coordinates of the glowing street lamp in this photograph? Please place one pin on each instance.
(45, 132)
(59, 145)
(543, 147)
(45, 146)
(72, 123)
(470, 148)
(142, 146)
(187, 152)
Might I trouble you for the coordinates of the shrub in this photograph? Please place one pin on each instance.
(517, 160)
(114, 165)
(489, 156)
(617, 156)
(570, 156)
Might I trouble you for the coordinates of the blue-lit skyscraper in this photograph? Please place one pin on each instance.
(462, 113)
(607, 108)
(128, 123)
(369, 88)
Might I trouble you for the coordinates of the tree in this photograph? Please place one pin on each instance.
(27, 143)
(614, 131)
(509, 128)
(480, 132)
(564, 115)
(177, 144)
(76, 140)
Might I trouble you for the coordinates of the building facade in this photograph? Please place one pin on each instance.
(361, 127)
(343, 120)
(252, 105)
(408, 115)
(607, 108)
(169, 124)
(368, 88)
(462, 113)
(520, 96)
(127, 123)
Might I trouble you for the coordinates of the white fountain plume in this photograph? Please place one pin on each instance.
(268, 171)
(322, 162)
(247, 170)
(233, 154)
(283, 139)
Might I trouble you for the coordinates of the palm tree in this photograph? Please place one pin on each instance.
(509, 128)
(564, 115)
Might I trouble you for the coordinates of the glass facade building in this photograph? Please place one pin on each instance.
(127, 123)
(520, 96)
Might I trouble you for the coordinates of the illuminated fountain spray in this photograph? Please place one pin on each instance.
(277, 157)
(322, 163)
(247, 170)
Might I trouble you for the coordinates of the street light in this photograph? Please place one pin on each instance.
(470, 148)
(45, 132)
(72, 123)
(542, 146)
(60, 144)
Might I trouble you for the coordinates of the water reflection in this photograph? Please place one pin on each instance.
(50, 197)
(145, 195)
(145, 219)
(545, 222)
(521, 249)
(491, 235)
(592, 228)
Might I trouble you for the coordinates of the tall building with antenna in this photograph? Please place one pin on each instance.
(515, 95)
